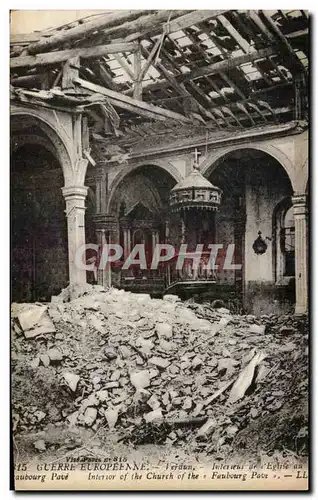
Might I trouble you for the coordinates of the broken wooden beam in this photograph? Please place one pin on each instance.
(135, 106)
(226, 65)
(150, 59)
(179, 23)
(104, 74)
(70, 71)
(27, 80)
(296, 65)
(241, 42)
(150, 23)
(137, 71)
(51, 58)
(297, 34)
(61, 37)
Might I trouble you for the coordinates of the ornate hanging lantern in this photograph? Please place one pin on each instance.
(259, 245)
(195, 192)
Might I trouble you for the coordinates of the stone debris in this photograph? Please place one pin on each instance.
(245, 378)
(35, 320)
(140, 380)
(162, 363)
(158, 371)
(39, 445)
(71, 379)
(55, 354)
(257, 329)
(90, 416)
(44, 358)
(164, 330)
(153, 416)
(111, 417)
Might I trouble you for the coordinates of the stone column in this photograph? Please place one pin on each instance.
(301, 253)
(101, 240)
(124, 223)
(101, 191)
(126, 243)
(154, 239)
(167, 230)
(104, 224)
(75, 213)
(129, 241)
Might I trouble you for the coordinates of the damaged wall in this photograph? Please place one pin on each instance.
(265, 188)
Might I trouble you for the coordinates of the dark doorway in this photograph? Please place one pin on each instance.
(39, 255)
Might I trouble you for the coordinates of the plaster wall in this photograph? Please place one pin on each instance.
(262, 294)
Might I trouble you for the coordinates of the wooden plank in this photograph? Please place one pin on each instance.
(25, 38)
(137, 94)
(232, 85)
(245, 24)
(296, 64)
(150, 59)
(167, 75)
(261, 26)
(298, 33)
(27, 80)
(129, 70)
(119, 100)
(185, 20)
(204, 98)
(70, 71)
(273, 87)
(195, 17)
(105, 76)
(242, 43)
(179, 88)
(150, 23)
(51, 58)
(83, 30)
(227, 64)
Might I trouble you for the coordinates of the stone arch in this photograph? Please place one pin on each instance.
(214, 158)
(167, 166)
(52, 140)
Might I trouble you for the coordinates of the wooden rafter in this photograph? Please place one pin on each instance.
(182, 70)
(137, 70)
(137, 29)
(137, 107)
(242, 43)
(124, 64)
(52, 58)
(102, 71)
(222, 74)
(60, 38)
(175, 23)
(227, 64)
(295, 61)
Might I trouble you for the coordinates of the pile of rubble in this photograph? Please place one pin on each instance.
(159, 371)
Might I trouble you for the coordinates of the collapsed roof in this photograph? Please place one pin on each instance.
(207, 70)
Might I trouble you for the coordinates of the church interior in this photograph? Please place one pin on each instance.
(164, 127)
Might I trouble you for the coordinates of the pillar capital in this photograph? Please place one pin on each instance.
(105, 222)
(74, 192)
(300, 204)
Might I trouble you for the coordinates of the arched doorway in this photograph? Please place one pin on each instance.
(253, 183)
(39, 254)
(140, 204)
